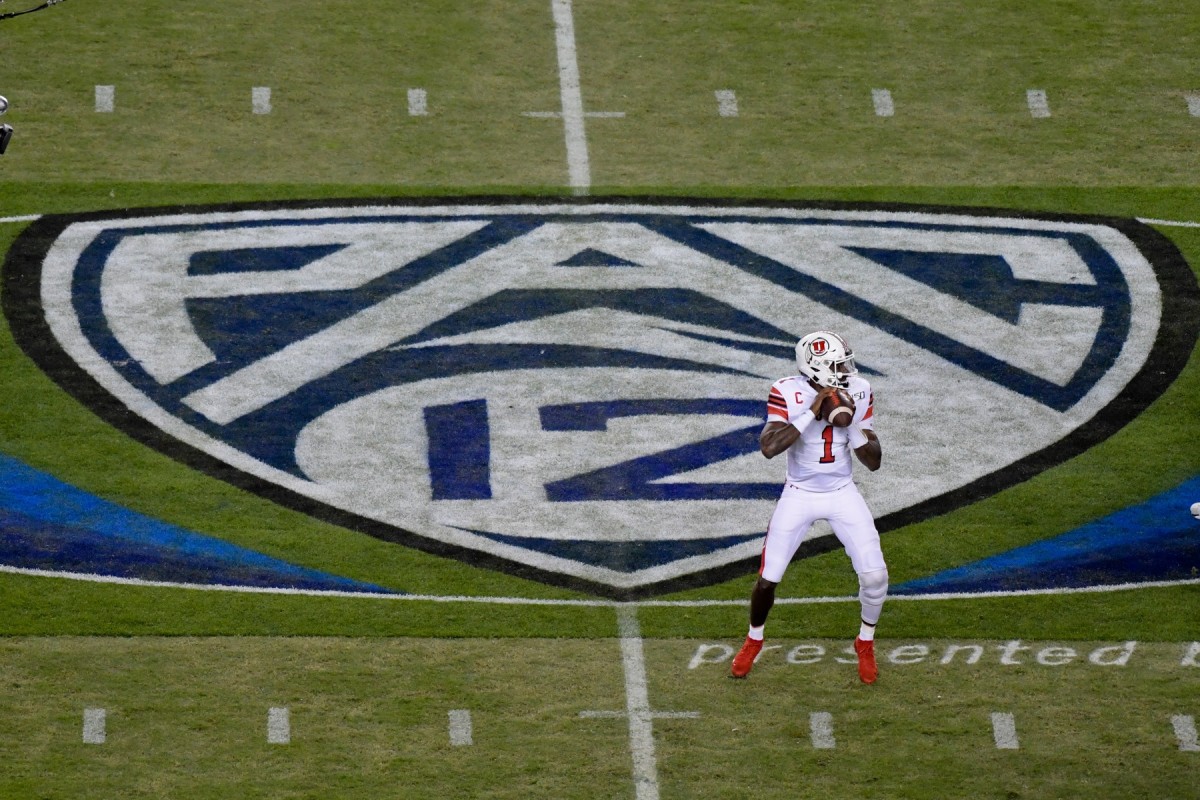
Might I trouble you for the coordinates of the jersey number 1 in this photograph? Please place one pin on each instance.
(827, 436)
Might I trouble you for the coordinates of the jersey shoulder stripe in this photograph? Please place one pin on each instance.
(776, 403)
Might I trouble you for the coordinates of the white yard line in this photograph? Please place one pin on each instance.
(1004, 731)
(637, 705)
(460, 727)
(94, 726)
(1193, 103)
(571, 97)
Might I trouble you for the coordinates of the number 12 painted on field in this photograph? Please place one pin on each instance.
(460, 453)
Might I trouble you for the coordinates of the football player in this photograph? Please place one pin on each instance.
(820, 486)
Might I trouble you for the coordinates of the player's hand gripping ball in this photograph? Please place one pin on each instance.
(838, 409)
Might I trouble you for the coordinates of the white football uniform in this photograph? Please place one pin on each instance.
(821, 460)
(820, 483)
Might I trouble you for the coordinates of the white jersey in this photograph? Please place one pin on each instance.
(820, 460)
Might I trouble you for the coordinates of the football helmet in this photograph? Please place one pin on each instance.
(825, 359)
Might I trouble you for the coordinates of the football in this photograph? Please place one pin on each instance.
(838, 409)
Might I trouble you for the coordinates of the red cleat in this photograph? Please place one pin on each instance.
(744, 660)
(867, 671)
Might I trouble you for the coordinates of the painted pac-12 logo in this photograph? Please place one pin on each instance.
(573, 390)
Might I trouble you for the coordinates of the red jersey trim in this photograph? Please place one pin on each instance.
(776, 405)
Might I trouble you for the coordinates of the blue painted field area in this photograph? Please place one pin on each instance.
(46, 524)
(1157, 540)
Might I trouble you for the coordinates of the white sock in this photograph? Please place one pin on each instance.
(866, 632)
(756, 633)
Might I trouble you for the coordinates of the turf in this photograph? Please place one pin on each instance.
(924, 730)
(187, 676)
(188, 717)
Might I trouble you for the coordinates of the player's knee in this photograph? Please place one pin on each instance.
(873, 585)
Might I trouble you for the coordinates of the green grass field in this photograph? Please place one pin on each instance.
(187, 677)
(369, 718)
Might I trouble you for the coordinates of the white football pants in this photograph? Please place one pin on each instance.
(847, 514)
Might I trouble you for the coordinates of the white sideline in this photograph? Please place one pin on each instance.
(572, 97)
(532, 601)
(1168, 223)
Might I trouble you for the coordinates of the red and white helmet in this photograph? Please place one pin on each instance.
(825, 359)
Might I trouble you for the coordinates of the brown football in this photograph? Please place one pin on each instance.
(838, 409)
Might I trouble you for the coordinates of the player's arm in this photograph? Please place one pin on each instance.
(863, 440)
(777, 435)
(869, 454)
